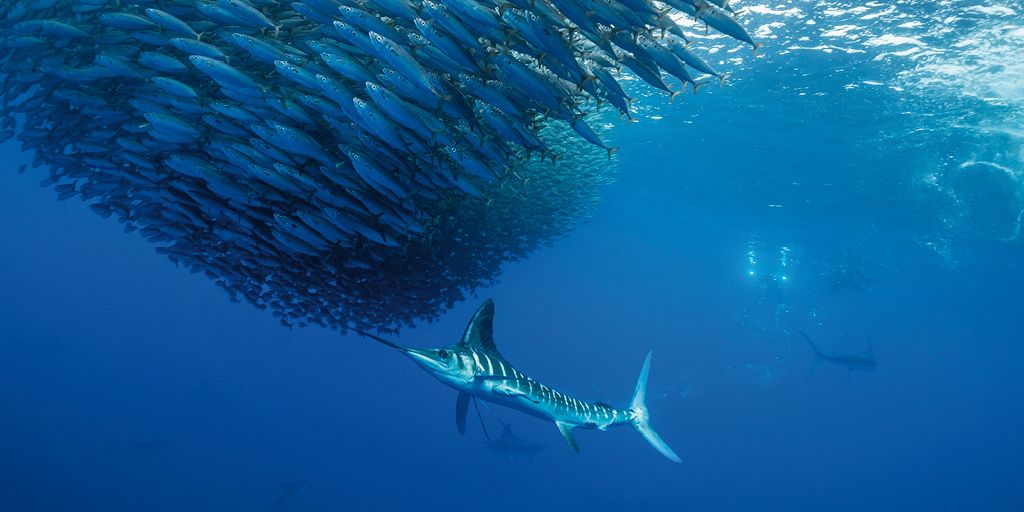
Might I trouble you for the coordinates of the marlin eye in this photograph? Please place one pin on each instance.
(443, 354)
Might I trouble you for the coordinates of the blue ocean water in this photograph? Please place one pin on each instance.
(860, 181)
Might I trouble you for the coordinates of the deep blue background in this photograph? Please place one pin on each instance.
(129, 384)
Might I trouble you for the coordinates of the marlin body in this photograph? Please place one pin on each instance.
(862, 361)
(475, 368)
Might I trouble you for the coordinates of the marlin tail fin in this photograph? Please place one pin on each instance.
(641, 419)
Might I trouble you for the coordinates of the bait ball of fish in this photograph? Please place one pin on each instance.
(344, 163)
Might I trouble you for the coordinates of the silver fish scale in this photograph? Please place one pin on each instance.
(200, 143)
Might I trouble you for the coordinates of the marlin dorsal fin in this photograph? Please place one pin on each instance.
(479, 333)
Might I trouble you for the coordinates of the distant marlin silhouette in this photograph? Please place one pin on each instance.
(862, 361)
(511, 445)
(476, 369)
(290, 491)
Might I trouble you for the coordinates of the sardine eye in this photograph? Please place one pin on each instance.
(443, 354)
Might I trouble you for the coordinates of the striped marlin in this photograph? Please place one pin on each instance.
(475, 368)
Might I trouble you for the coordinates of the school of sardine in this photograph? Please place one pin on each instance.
(345, 163)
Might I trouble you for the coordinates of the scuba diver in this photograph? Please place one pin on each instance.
(770, 270)
(847, 277)
(772, 273)
(845, 273)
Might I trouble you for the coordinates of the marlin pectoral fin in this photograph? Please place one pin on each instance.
(483, 378)
(461, 408)
(508, 391)
(511, 392)
(566, 430)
